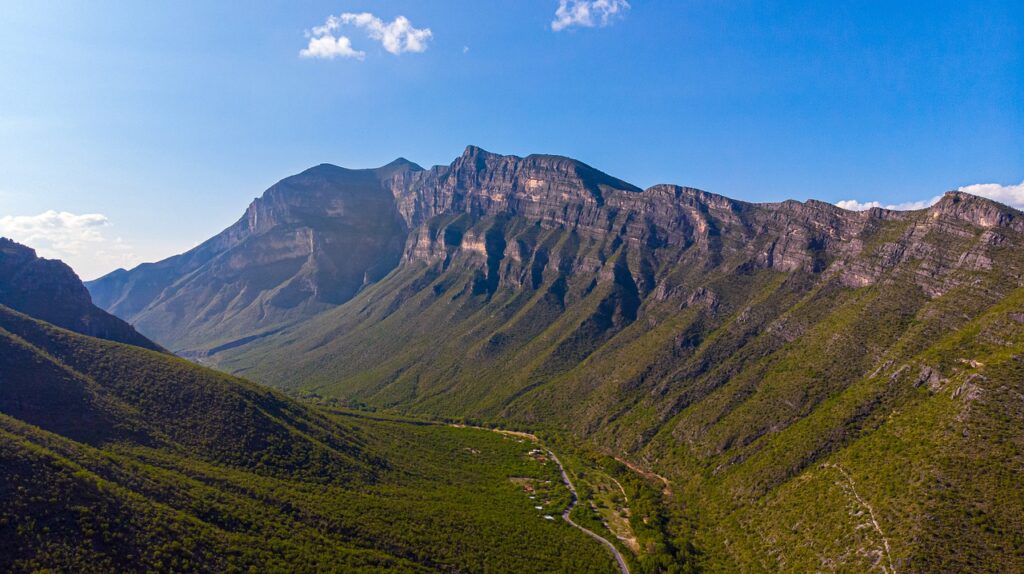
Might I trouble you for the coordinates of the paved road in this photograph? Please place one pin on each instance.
(594, 535)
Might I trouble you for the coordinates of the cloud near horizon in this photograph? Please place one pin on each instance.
(855, 205)
(587, 13)
(77, 239)
(1012, 195)
(397, 37)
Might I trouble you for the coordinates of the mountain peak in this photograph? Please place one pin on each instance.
(322, 169)
(398, 165)
(401, 161)
(473, 151)
(976, 210)
(330, 169)
(11, 248)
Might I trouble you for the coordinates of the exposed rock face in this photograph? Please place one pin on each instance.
(309, 243)
(661, 223)
(50, 290)
(313, 240)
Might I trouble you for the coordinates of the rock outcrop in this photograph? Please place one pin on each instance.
(441, 207)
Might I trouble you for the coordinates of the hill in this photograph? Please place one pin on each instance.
(51, 291)
(115, 457)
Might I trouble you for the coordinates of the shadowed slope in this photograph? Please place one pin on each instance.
(50, 290)
(310, 242)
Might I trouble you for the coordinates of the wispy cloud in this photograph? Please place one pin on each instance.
(587, 13)
(1012, 195)
(80, 240)
(397, 37)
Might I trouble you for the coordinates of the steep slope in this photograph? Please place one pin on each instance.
(99, 392)
(743, 349)
(309, 243)
(118, 458)
(50, 290)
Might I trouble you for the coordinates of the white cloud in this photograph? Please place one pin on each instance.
(587, 13)
(397, 37)
(78, 240)
(328, 47)
(855, 205)
(1012, 195)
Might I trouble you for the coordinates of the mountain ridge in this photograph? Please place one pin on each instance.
(778, 362)
(763, 357)
(288, 283)
(285, 233)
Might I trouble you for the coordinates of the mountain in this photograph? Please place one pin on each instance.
(307, 244)
(51, 291)
(824, 389)
(120, 458)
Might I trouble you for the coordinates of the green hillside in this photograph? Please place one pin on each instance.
(116, 458)
(786, 406)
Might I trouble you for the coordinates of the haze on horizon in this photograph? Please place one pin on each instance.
(130, 133)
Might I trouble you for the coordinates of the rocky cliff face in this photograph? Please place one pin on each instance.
(50, 290)
(483, 206)
(309, 243)
(313, 240)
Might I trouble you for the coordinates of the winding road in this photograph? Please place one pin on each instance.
(565, 516)
(572, 489)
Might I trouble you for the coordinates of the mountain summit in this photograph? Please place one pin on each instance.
(308, 243)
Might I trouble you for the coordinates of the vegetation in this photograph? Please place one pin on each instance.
(781, 404)
(115, 458)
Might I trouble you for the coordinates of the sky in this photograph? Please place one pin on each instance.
(133, 131)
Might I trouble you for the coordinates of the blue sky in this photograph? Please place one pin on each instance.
(132, 131)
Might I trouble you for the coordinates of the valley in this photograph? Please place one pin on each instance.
(730, 386)
(116, 457)
(547, 287)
